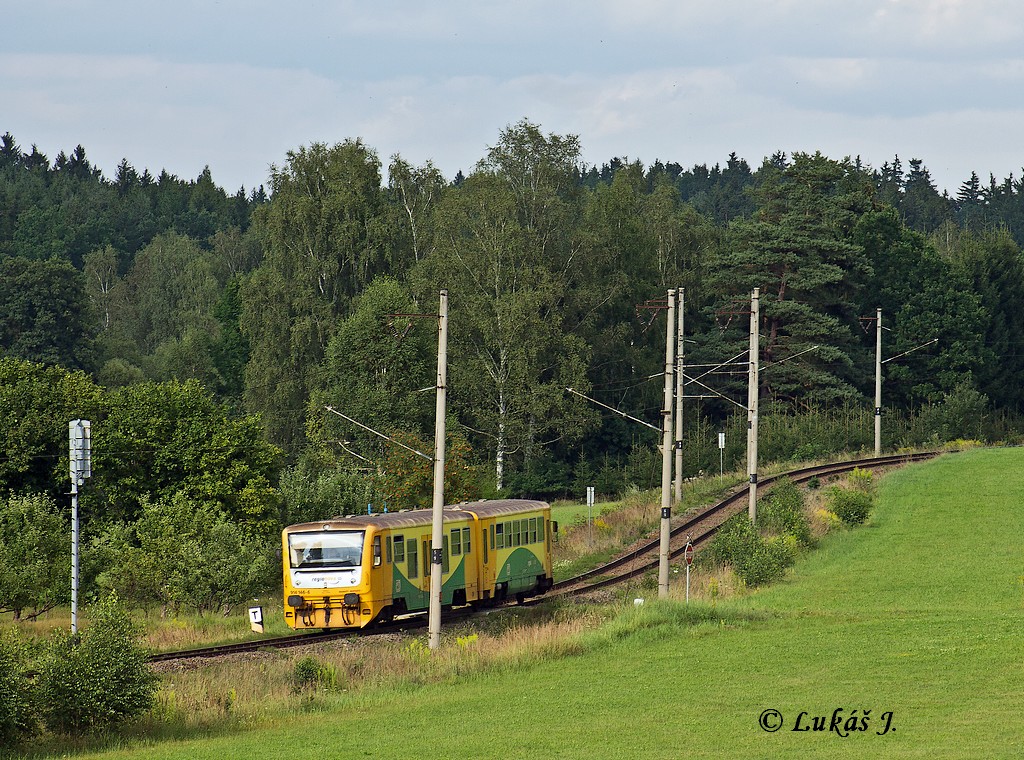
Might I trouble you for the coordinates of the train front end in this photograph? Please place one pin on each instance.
(329, 575)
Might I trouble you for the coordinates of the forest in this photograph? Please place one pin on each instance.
(205, 334)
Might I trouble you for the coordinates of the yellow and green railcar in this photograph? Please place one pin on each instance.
(348, 572)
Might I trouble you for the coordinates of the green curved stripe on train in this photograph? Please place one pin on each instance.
(520, 570)
(416, 598)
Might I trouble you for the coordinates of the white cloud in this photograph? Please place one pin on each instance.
(237, 85)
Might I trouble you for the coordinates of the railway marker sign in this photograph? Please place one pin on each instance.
(256, 619)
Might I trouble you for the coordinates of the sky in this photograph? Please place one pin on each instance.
(236, 85)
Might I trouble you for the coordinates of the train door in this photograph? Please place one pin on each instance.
(465, 572)
(489, 559)
(446, 594)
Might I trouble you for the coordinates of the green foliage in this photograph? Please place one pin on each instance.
(850, 506)
(756, 560)
(325, 237)
(17, 704)
(781, 512)
(375, 366)
(407, 480)
(313, 489)
(503, 249)
(309, 673)
(862, 480)
(797, 250)
(188, 554)
(163, 438)
(98, 681)
(36, 404)
(35, 555)
(44, 314)
(760, 555)
(816, 432)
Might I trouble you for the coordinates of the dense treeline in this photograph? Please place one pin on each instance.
(170, 311)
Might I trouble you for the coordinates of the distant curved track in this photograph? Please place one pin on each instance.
(700, 527)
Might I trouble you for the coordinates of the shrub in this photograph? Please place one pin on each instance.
(17, 718)
(852, 507)
(310, 673)
(782, 512)
(754, 559)
(767, 561)
(98, 680)
(862, 480)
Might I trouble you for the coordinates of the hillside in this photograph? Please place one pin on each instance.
(918, 614)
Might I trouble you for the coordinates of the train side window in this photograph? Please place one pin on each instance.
(376, 551)
(413, 565)
(399, 549)
(517, 526)
(426, 558)
(444, 555)
(540, 527)
(492, 536)
(387, 549)
(465, 540)
(456, 542)
(533, 530)
(501, 535)
(484, 542)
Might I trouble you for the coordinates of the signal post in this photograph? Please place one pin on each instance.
(80, 455)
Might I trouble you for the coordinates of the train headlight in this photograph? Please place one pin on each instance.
(351, 600)
(296, 601)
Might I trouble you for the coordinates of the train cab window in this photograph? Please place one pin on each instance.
(387, 549)
(456, 542)
(413, 565)
(376, 551)
(500, 529)
(465, 540)
(399, 549)
(533, 530)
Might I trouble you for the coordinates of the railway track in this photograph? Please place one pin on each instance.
(699, 527)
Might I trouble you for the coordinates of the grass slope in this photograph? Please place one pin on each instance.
(920, 613)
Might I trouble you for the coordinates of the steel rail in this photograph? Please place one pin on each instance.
(694, 521)
(571, 586)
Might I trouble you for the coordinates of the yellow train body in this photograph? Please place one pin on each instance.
(350, 571)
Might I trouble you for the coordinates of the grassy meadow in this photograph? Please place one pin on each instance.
(919, 615)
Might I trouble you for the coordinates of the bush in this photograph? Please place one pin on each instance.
(755, 560)
(767, 562)
(782, 512)
(99, 680)
(17, 718)
(862, 480)
(852, 507)
(310, 673)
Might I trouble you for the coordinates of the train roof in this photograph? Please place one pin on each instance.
(418, 517)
